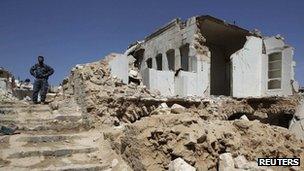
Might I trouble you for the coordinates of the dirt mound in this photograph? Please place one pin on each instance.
(150, 144)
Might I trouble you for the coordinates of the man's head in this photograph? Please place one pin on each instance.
(40, 59)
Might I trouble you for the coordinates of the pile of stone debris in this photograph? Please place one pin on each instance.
(98, 92)
(154, 142)
(6, 96)
(151, 132)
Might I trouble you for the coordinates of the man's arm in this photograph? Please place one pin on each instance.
(50, 71)
(32, 70)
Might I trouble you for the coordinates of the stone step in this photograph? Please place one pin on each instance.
(7, 121)
(48, 138)
(45, 151)
(51, 117)
(78, 167)
(7, 110)
(27, 110)
(74, 161)
(12, 104)
(49, 126)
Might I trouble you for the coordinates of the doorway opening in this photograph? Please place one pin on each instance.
(223, 40)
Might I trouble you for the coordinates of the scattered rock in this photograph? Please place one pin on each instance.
(163, 105)
(226, 162)
(180, 165)
(241, 124)
(114, 162)
(133, 73)
(176, 108)
(240, 162)
(244, 117)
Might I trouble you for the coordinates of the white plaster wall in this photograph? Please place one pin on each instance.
(194, 83)
(264, 74)
(120, 67)
(163, 81)
(246, 68)
(186, 83)
(173, 38)
(204, 75)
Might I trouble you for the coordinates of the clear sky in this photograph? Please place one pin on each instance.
(69, 32)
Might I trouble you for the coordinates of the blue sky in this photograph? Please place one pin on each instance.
(69, 32)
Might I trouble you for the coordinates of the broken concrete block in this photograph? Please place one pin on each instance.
(226, 162)
(241, 124)
(180, 165)
(160, 111)
(163, 105)
(244, 117)
(176, 108)
(190, 139)
(240, 162)
(133, 73)
(114, 162)
(119, 66)
(78, 66)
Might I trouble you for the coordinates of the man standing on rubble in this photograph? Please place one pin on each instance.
(41, 72)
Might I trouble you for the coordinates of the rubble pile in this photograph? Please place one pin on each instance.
(153, 142)
(6, 96)
(100, 93)
(151, 132)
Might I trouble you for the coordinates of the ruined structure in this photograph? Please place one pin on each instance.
(6, 80)
(206, 56)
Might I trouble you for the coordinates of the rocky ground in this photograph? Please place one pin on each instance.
(95, 122)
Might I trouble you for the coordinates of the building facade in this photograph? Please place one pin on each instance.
(206, 56)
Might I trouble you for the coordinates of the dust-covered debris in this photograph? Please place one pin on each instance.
(153, 142)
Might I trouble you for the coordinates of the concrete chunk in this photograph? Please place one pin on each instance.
(180, 165)
(226, 162)
(240, 162)
(176, 108)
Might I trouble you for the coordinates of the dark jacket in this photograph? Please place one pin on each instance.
(41, 71)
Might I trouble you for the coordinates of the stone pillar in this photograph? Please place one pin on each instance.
(154, 65)
(165, 64)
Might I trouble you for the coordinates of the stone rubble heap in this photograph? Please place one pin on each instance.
(6, 96)
(153, 142)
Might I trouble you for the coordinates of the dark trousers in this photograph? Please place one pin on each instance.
(40, 85)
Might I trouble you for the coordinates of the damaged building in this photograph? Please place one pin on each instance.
(6, 80)
(206, 56)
